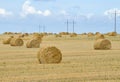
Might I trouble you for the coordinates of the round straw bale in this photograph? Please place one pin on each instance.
(21, 36)
(7, 41)
(99, 36)
(16, 42)
(112, 34)
(97, 33)
(90, 34)
(58, 35)
(34, 43)
(49, 55)
(38, 35)
(102, 44)
(73, 35)
(38, 38)
(83, 33)
(64, 33)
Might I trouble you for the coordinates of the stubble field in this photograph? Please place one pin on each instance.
(80, 62)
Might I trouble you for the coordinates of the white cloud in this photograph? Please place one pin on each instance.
(5, 13)
(47, 13)
(27, 9)
(111, 12)
(70, 15)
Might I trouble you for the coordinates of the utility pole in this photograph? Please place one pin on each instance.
(67, 25)
(115, 20)
(73, 25)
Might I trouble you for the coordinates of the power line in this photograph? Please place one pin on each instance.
(43, 27)
(73, 26)
(67, 25)
(115, 20)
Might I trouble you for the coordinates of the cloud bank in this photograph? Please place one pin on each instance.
(28, 9)
(5, 13)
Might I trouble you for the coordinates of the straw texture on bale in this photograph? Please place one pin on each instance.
(64, 33)
(102, 44)
(49, 55)
(73, 35)
(7, 41)
(58, 35)
(112, 34)
(38, 35)
(84, 34)
(16, 42)
(97, 33)
(34, 43)
(99, 36)
(21, 36)
(90, 34)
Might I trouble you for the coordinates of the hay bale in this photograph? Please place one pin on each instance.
(7, 41)
(102, 44)
(99, 36)
(97, 33)
(90, 34)
(84, 34)
(64, 33)
(58, 35)
(73, 35)
(16, 42)
(49, 55)
(112, 34)
(21, 36)
(38, 35)
(33, 44)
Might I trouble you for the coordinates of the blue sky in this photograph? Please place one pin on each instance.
(28, 15)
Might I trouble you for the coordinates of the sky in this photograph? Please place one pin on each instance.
(51, 15)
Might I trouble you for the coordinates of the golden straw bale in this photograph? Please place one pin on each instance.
(21, 35)
(64, 33)
(112, 33)
(102, 44)
(73, 35)
(90, 34)
(99, 36)
(97, 33)
(26, 34)
(58, 35)
(7, 41)
(50, 33)
(33, 44)
(84, 34)
(16, 42)
(44, 34)
(49, 55)
(38, 35)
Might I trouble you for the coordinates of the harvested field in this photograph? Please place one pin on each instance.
(80, 62)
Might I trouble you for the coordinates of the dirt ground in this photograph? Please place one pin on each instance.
(80, 62)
